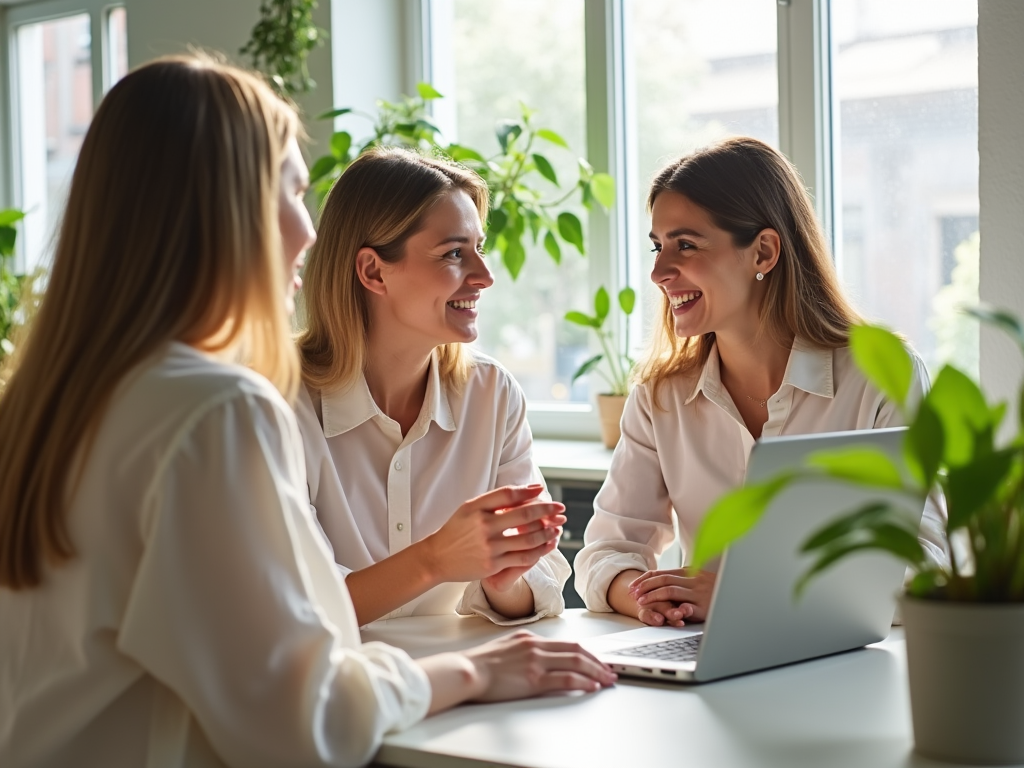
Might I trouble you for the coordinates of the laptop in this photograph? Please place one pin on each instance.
(754, 621)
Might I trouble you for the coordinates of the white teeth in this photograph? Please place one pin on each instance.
(462, 304)
(682, 298)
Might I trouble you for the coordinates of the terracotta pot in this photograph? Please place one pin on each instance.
(609, 408)
(966, 664)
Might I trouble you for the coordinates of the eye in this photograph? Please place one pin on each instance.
(455, 253)
(685, 246)
(656, 248)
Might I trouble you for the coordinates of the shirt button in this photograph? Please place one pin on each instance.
(398, 466)
(400, 526)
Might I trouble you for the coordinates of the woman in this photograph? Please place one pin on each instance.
(167, 599)
(753, 341)
(400, 421)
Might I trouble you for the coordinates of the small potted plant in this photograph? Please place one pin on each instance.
(618, 364)
(11, 285)
(964, 623)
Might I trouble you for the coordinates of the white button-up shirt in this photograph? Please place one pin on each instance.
(376, 492)
(686, 453)
(202, 621)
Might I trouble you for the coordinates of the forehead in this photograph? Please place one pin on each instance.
(672, 211)
(453, 211)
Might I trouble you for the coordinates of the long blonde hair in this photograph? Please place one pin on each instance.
(747, 186)
(379, 202)
(170, 233)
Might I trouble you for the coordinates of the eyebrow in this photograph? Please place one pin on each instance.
(678, 233)
(455, 239)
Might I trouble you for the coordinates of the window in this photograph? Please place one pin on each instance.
(58, 74)
(905, 76)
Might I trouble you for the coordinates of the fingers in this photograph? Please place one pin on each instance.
(524, 558)
(527, 513)
(661, 615)
(554, 521)
(672, 594)
(526, 541)
(684, 611)
(506, 496)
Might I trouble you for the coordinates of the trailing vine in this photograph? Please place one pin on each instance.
(282, 40)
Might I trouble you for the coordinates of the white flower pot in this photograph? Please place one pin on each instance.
(966, 664)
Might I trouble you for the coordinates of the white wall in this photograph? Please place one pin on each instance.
(1001, 192)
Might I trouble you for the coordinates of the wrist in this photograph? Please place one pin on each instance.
(430, 561)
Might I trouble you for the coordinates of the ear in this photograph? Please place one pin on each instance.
(766, 247)
(368, 270)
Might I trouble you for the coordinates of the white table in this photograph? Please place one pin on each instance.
(847, 710)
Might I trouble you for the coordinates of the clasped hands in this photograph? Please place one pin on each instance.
(673, 596)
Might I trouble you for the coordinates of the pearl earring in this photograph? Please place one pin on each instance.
(760, 277)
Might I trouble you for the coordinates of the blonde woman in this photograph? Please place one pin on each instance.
(401, 422)
(752, 341)
(166, 596)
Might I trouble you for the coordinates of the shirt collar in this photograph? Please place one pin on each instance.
(346, 408)
(809, 368)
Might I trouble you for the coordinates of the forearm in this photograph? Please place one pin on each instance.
(618, 594)
(514, 603)
(453, 680)
(388, 585)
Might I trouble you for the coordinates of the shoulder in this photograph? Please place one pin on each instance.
(845, 368)
(488, 376)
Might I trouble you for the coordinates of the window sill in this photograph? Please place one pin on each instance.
(572, 460)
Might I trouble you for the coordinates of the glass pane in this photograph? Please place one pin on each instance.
(54, 110)
(697, 75)
(117, 46)
(529, 51)
(906, 77)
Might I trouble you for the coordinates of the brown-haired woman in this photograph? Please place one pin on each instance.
(166, 597)
(752, 341)
(401, 422)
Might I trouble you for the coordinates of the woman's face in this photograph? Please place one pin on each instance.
(431, 293)
(711, 284)
(297, 232)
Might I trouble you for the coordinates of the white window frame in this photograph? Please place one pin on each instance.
(11, 18)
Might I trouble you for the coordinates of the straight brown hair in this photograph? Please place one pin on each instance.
(170, 233)
(379, 202)
(746, 186)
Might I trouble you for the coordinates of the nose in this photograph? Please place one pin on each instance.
(480, 276)
(664, 270)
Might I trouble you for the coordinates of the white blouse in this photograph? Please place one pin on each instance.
(686, 453)
(376, 492)
(201, 621)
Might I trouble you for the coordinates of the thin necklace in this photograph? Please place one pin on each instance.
(763, 403)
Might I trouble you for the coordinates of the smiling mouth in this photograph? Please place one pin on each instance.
(463, 304)
(682, 299)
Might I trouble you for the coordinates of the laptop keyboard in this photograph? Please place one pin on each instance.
(678, 649)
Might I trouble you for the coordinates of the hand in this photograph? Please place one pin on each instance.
(689, 592)
(657, 614)
(523, 664)
(498, 536)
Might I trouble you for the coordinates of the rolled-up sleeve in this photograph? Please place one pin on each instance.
(237, 607)
(517, 467)
(632, 522)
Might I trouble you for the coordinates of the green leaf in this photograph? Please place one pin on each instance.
(860, 519)
(545, 169)
(587, 367)
(579, 318)
(883, 359)
(428, 92)
(552, 246)
(571, 230)
(332, 113)
(322, 167)
(8, 237)
(602, 303)
(603, 188)
(627, 300)
(925, 445)
(10, 216)
(894, 539)
(428, 126)
(961, 407)
(548, 135)
(461, 154)
(925, 584)
(1001, 319)
(507, 132)
(497, 221)
(513, 257)
(864, 466)
(969, 487)
(341, 142)
(732, 516)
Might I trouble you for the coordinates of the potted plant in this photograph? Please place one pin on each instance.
(281, 42)
(618, 364)
(11, 285)
(527, 198)
(964, 623)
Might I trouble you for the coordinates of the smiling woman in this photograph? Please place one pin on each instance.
(401, 424)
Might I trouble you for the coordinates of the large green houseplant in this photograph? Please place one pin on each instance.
(528, 201)
(964, 622)
(613, 363)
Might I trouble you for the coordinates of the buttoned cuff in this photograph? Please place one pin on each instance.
(545, 580)
(593, 587)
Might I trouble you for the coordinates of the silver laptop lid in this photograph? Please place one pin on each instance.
(754, 621)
